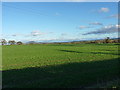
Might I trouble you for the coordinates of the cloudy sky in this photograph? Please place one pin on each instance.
(59, 21)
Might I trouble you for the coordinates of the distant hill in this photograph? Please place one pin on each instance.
(77, 41)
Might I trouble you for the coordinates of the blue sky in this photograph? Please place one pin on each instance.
(59, 21)
(60, 0)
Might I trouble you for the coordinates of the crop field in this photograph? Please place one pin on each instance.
(59, 65)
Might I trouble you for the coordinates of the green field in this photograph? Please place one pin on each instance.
(64, 65)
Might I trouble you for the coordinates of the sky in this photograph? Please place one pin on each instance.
(59, 21)
(60, 0)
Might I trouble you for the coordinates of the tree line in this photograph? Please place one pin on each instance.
(10, 42)
(106, 40)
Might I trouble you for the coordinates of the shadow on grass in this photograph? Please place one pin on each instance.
(110, 50)
(62, 45)
(70, 75)
(90, 52)
(70, 51)
(117, 44)
(107, 44)
(105, 53)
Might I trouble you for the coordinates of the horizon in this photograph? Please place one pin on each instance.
(65, 21)
(27, 42)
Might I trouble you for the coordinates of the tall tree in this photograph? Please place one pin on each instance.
(107, 40)
(19, 43)
(11, 42)
(3, 41)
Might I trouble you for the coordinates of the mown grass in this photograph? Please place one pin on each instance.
(54, 65)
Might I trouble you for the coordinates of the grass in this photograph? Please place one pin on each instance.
(65, 65)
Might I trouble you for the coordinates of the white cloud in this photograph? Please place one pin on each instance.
(32, 33)
(114, 16)
(117, 26)
(55, 39)
(17, 34)
(103, 9)
(37, 33)
(105, 30)
(95, 23)
(84, 27)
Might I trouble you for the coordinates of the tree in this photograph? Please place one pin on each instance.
(97, 41)
(107, 40)
(11, 42)
(19, 43)
(3, 41)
